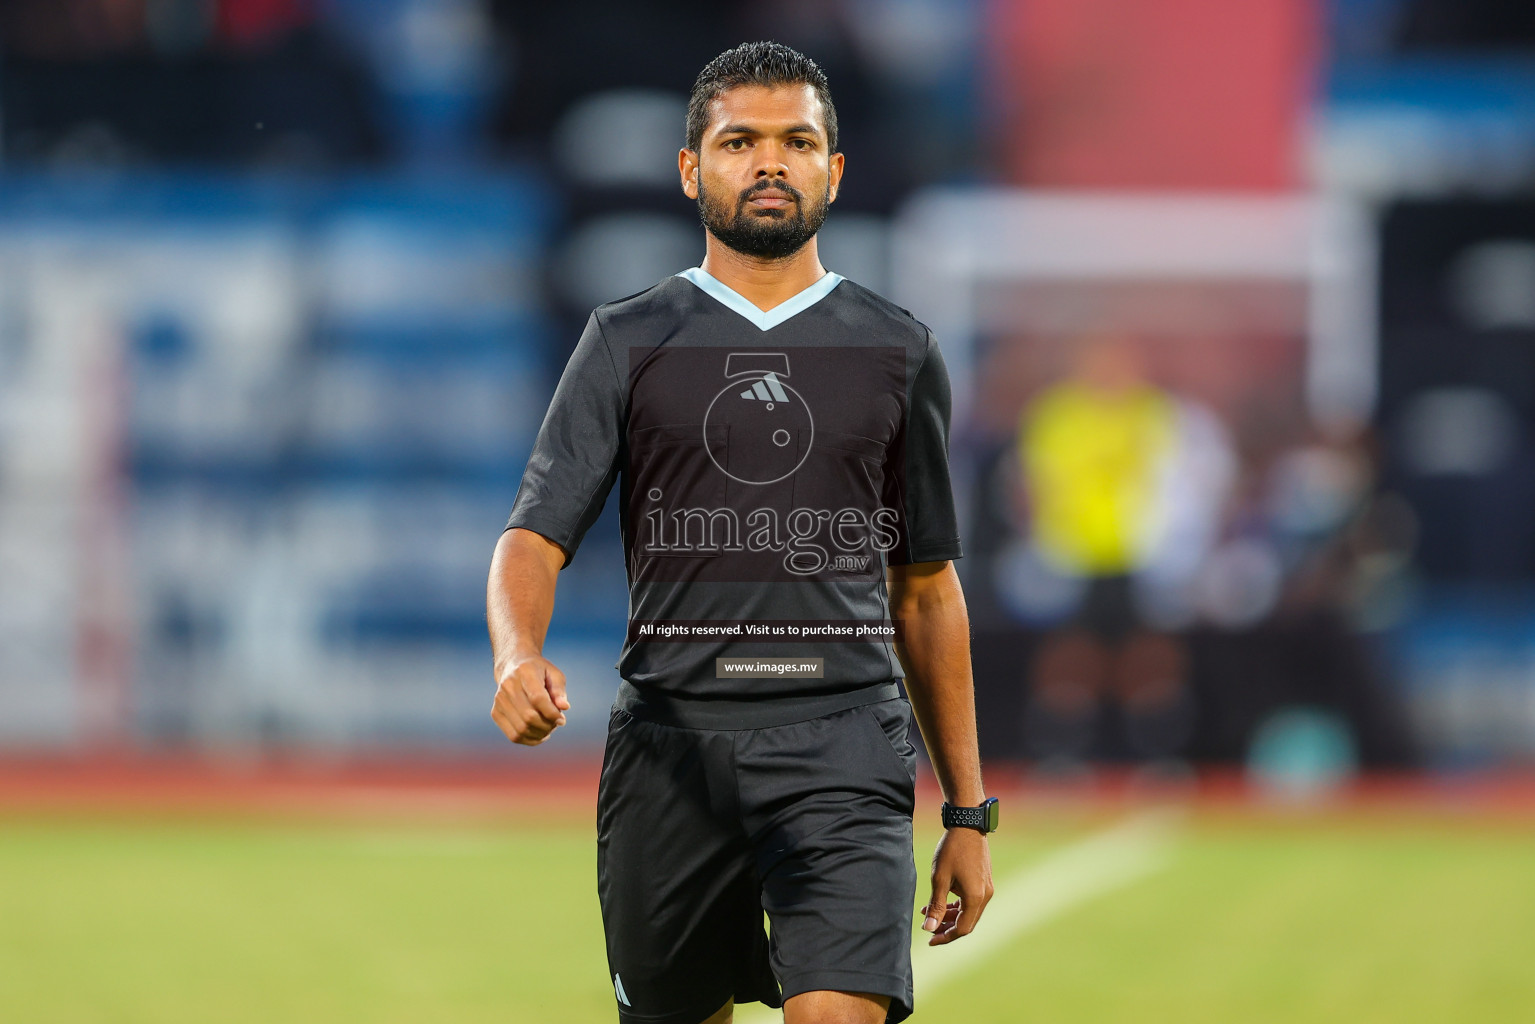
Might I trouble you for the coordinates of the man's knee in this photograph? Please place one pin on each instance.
(825, 1007)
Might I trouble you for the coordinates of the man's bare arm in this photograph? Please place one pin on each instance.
(935, 652)
(519, 599)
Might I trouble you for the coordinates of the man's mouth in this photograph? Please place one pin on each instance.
(770, 199)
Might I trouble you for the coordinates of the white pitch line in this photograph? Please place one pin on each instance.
(1031, 896)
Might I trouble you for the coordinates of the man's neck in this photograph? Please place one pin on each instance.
(763, 283)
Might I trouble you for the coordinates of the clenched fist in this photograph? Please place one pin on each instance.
(530, 699)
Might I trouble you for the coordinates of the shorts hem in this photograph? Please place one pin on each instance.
(687, 1015)
(879, 983)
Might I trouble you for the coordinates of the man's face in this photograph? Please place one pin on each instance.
(763, 175)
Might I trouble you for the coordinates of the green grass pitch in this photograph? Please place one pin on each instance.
(1249, 920)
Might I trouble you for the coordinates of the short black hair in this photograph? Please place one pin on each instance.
(764, 63)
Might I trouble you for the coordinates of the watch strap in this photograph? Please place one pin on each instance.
(979, 818)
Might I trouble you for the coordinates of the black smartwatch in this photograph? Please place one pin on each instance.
(983, 818)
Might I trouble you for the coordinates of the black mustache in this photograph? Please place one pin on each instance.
(764, 186)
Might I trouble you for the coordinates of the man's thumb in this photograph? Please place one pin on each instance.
(938, 904)
(554, 682)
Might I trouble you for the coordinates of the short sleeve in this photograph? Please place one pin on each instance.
(917, 474)
(575, 457)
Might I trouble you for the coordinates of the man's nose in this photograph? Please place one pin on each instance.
(772, 169)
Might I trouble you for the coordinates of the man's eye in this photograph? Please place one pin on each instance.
(736, 144)
(800, 143)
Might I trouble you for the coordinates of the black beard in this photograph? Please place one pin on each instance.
(765, 234)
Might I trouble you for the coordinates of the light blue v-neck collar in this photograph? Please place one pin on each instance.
(765, 320)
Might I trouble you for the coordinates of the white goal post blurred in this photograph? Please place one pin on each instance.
(952, 244)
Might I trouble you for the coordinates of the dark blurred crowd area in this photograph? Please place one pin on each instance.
(144, 83)
(1169, 560)
(328, 84)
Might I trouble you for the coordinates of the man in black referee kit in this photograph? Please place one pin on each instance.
(780, 440)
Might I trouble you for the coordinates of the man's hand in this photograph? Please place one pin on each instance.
(962, 866)
(530, 700)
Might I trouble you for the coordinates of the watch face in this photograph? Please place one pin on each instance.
(770, 428)
(993, 814)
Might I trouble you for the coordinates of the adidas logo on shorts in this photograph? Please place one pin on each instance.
(618, 990)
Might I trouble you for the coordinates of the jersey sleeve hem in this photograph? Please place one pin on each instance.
(546, 527)
(940, 551)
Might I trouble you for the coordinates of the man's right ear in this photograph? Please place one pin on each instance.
(687, 169)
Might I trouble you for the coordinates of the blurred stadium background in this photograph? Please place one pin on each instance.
(1239, 302)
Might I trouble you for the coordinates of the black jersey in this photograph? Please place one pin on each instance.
(770, 465)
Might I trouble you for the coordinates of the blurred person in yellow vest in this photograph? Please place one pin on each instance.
(1092, 448)
(1124, 484)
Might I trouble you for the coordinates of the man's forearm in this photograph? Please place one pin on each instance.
(519, 597)
(935, 652)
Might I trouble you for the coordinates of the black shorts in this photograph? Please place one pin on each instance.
(700, 831)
